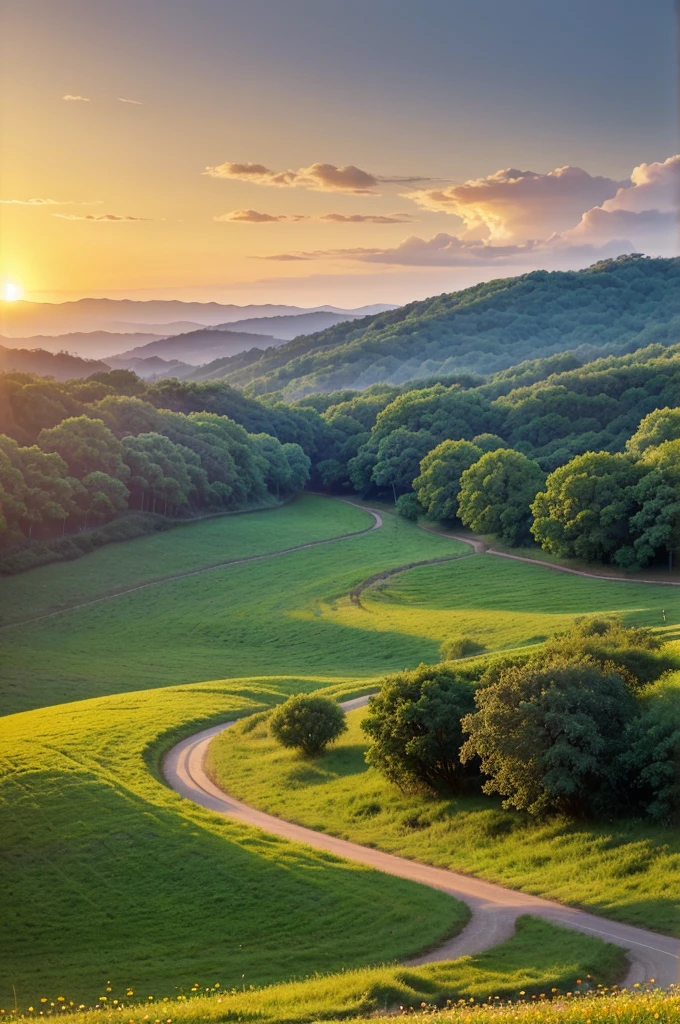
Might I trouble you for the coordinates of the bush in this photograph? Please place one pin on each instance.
(415, 731)
(460, 647)
(307, 723)
(408, 506)
(549, 735)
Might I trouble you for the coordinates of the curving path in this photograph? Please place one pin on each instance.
(494, 909)
(377, 523)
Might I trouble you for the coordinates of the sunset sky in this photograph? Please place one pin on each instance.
(312, 151)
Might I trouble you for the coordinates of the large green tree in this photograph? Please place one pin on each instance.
(496, 494)
(586, 508)
(414, 727)
(548, 736)
(658, 426)
(438, 484)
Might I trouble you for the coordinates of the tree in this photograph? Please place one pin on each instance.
(489, 442)
(87, 446)
(126, 415)
(398, 459)
(409, 507)
(650, 760)
(307, 723)
(105, 495)
(414, 726)
(586, 508)
(548, 736)
(496, 495)
(658, 426)
(298, 466)
(438, 484)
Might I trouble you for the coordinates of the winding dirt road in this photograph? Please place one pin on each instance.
(494, 909)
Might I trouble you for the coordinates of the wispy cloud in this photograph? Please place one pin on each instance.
(137, 103)
(367, 218)
(101, 218)
(256, 217)
(76, 99)
(50, 202)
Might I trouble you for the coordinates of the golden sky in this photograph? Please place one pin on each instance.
(290, 150)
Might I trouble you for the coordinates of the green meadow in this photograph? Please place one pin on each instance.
(539, 959)
(626, 870)
(109, 876)
(292, 613)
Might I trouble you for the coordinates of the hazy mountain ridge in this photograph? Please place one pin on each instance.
(60, 365)
(612, 307)
(22, 319)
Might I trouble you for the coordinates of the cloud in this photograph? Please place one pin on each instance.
(653, 186)
(256, 217)
(367, 218)
(317, 177)
(137, 103)
(103, 217)
(76, 99)
(444, 250)
(50, 202)
(519, 205)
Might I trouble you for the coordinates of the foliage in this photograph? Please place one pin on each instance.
(655, 428)
(547, 735)
(414, 727)
(496, 494)
(438, 485)
(307, 723)
(585, 509)
(409, 506)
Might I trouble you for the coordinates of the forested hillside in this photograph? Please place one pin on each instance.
(615, 306)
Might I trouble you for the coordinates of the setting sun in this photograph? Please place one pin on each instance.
(11, 291)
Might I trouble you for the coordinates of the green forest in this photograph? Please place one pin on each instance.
(613, 307)
(578, 455)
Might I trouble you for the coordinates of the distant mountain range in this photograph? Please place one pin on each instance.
(200, 347)
(24, 319)
(613, 307)
(61, 365)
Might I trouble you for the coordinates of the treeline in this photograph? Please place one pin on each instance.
(586, 726)
(108, 453)
(615, 306)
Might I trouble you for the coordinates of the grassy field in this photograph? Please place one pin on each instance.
(182, 549)
(624, 870)
(107, 874)
(539, 958)
(292, 614)
(261, 618)
(110, 875)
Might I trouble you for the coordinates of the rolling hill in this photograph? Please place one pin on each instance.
(613, 307)
(60, 365)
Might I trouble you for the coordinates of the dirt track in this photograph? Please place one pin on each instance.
(494, 909)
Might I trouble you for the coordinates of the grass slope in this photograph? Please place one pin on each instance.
(184, 549)
(292, 614)
(557, 957)
(107, 874)
(260, 618)
(624, 870)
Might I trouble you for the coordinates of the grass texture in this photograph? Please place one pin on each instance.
(538, 960)
(628, 871)
(106, 873)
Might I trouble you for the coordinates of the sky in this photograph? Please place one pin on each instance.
(309, 151)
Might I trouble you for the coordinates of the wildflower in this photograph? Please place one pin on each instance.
(30, 1009)
(60, 999)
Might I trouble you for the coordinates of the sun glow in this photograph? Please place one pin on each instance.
(11, 291)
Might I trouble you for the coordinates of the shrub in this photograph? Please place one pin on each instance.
(307, 723)
(414, 728)
(548, 735)
(460, 647)
(408, 506)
